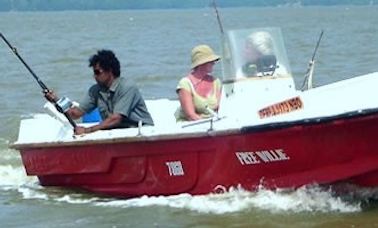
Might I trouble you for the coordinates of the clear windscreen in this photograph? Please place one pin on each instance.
(254, 53)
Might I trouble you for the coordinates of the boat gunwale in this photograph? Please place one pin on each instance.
(209, 133)
(139, 138)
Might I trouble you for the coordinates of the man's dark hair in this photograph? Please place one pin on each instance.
(107, 60)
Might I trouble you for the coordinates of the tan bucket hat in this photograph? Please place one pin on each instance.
(202, 54)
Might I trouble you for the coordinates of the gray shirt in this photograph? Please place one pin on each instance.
(123, 98)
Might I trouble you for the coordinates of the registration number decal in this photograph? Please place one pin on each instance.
(175, 168)
(290, 105)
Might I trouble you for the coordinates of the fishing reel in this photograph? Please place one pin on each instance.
(63, 104)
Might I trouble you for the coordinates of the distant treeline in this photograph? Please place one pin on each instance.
(42, 5)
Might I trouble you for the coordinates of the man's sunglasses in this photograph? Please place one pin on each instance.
(97, 72)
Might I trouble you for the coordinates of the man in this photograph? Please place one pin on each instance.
(120, 103)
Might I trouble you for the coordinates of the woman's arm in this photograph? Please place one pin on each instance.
(218, 92)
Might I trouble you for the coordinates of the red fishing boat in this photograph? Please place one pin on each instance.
(266, 133)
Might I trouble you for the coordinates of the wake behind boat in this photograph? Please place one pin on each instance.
(266, 133)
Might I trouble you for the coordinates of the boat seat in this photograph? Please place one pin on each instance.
(162, 111)
(92, 117)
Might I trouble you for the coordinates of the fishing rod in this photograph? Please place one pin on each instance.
(218, 17)
(226, 58)
(310, 70)
(62, 104)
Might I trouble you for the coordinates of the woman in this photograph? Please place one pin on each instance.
(258, 46)
(199, 91)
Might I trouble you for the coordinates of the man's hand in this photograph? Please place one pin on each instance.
(81, 130)
(50, 95)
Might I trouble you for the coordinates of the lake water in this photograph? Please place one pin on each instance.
(154, 49)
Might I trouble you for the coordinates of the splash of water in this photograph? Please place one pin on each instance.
(13, 177)
(305, 199)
